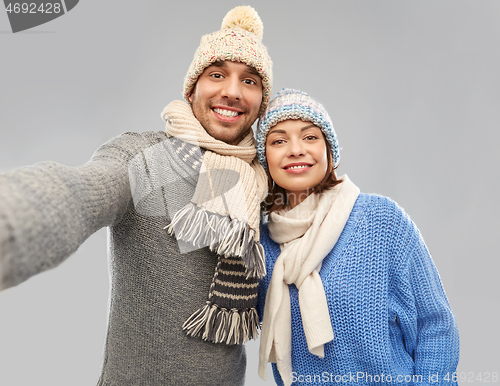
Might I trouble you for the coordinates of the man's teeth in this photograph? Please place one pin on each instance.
(226, 113)
(299, 167)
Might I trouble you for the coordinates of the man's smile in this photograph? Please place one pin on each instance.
(226, 113)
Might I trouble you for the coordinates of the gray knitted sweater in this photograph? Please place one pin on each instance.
(48, 210)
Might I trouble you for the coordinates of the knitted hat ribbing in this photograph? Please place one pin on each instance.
(239, 40)
(295, 104)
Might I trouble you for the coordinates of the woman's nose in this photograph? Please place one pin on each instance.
(296, 148)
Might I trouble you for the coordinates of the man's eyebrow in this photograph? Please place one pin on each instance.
(253, 71)
(222, 63)
(218, 63)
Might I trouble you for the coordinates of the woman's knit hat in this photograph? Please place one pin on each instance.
(239, 40)
(295, 104)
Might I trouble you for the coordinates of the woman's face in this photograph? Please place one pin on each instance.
(296, 157)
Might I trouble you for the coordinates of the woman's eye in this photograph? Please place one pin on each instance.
(311, 137)
(277, 142)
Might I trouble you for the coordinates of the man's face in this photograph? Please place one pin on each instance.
(226, 100)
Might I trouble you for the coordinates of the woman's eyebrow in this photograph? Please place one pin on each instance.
(281, 131)
(308, 127)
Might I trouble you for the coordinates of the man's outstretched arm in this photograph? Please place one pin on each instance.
(47, 210)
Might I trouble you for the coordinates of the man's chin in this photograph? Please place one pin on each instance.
(230, 135)
(230, 140)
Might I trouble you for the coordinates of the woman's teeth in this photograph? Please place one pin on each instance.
(299, 167)
(226, 113)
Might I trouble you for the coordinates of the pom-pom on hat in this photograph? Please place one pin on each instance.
(239, 40)
(295, 104)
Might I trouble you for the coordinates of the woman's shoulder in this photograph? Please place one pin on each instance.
(384, 213)
(367, 205)
(379, 205)
(375, 200)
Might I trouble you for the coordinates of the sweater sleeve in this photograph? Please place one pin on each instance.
(427, 321)
(47, 210)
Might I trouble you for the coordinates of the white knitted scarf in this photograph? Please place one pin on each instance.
(233, 188)
(223, 214)
(306, 234)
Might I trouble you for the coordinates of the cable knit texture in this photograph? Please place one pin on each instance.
(47, 210)
(388, 309)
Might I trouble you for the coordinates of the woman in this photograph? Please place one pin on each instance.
(351, 293)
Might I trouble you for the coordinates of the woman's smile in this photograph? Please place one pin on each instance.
(297, 168)
(297, 158)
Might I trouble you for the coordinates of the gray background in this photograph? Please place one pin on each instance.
(413, 89)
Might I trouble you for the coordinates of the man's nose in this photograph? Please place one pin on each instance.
(232, 88)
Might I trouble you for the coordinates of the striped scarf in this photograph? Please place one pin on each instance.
(224, 215)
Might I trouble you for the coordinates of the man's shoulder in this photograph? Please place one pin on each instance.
(138, 141)
(129, 144)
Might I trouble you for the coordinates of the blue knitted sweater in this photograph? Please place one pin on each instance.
(390, 315)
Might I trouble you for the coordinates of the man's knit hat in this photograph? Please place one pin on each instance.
(239, 40)
(295, 104)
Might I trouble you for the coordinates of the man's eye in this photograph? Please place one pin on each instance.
(249, 81)
(218, 76)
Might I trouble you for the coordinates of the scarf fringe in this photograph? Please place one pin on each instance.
(224, 236)
(220, 325)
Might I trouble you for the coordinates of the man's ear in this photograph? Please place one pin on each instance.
(190, 97)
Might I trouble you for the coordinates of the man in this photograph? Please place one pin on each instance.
(180, 205)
